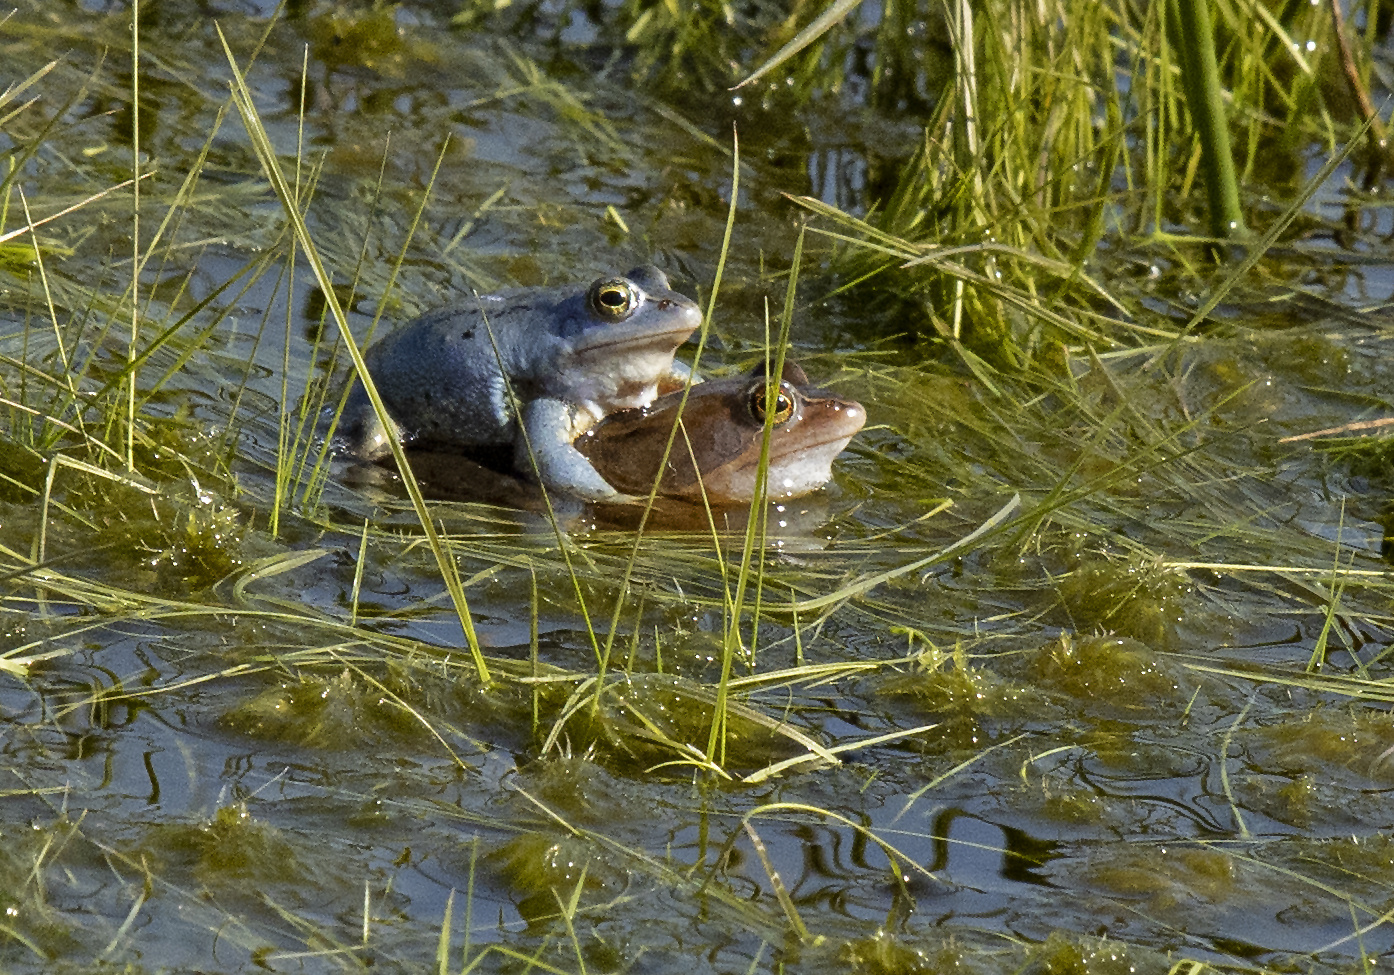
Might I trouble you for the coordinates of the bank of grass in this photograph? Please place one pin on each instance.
(999, 251)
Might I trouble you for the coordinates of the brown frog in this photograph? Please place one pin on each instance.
(724, 423)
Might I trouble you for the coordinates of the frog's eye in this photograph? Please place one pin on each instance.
(783, 403)
(613, 299)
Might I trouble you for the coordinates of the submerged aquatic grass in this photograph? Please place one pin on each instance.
(1079, 663)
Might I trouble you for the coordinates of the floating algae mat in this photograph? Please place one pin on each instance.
(1081, 663)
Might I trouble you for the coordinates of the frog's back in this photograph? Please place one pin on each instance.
(439, 374)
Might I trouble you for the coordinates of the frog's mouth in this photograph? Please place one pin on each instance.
(801, 470)
(797, 454)
(637, 340)
(803, 448)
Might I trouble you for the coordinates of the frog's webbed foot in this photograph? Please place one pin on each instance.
(551, 427)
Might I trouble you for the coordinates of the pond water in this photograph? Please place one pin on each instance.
(1140, 721)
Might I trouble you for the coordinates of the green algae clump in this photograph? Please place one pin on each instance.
(1059, 955)
(229, 850)
(1112, 673)
(1167, 877)
(339, 713)
(1327, 742)
(967, 700)
(887, 954)
(1133, 599)
(545, 870)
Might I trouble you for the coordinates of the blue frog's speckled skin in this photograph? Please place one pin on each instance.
(442, 378)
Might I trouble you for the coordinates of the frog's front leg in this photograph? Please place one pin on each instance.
(551, 427)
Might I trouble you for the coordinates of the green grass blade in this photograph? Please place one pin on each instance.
(823, 23)
(266, 154)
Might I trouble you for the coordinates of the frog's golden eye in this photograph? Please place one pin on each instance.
(783, 403)
(613, 299)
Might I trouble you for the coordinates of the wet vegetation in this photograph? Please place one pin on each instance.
(1081, 666)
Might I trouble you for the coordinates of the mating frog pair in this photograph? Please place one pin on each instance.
(564, 375)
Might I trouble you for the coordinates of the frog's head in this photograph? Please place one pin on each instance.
(724, 421)
(620, 338)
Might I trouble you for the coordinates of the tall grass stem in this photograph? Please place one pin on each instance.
(1194, 35)
(266, 153)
